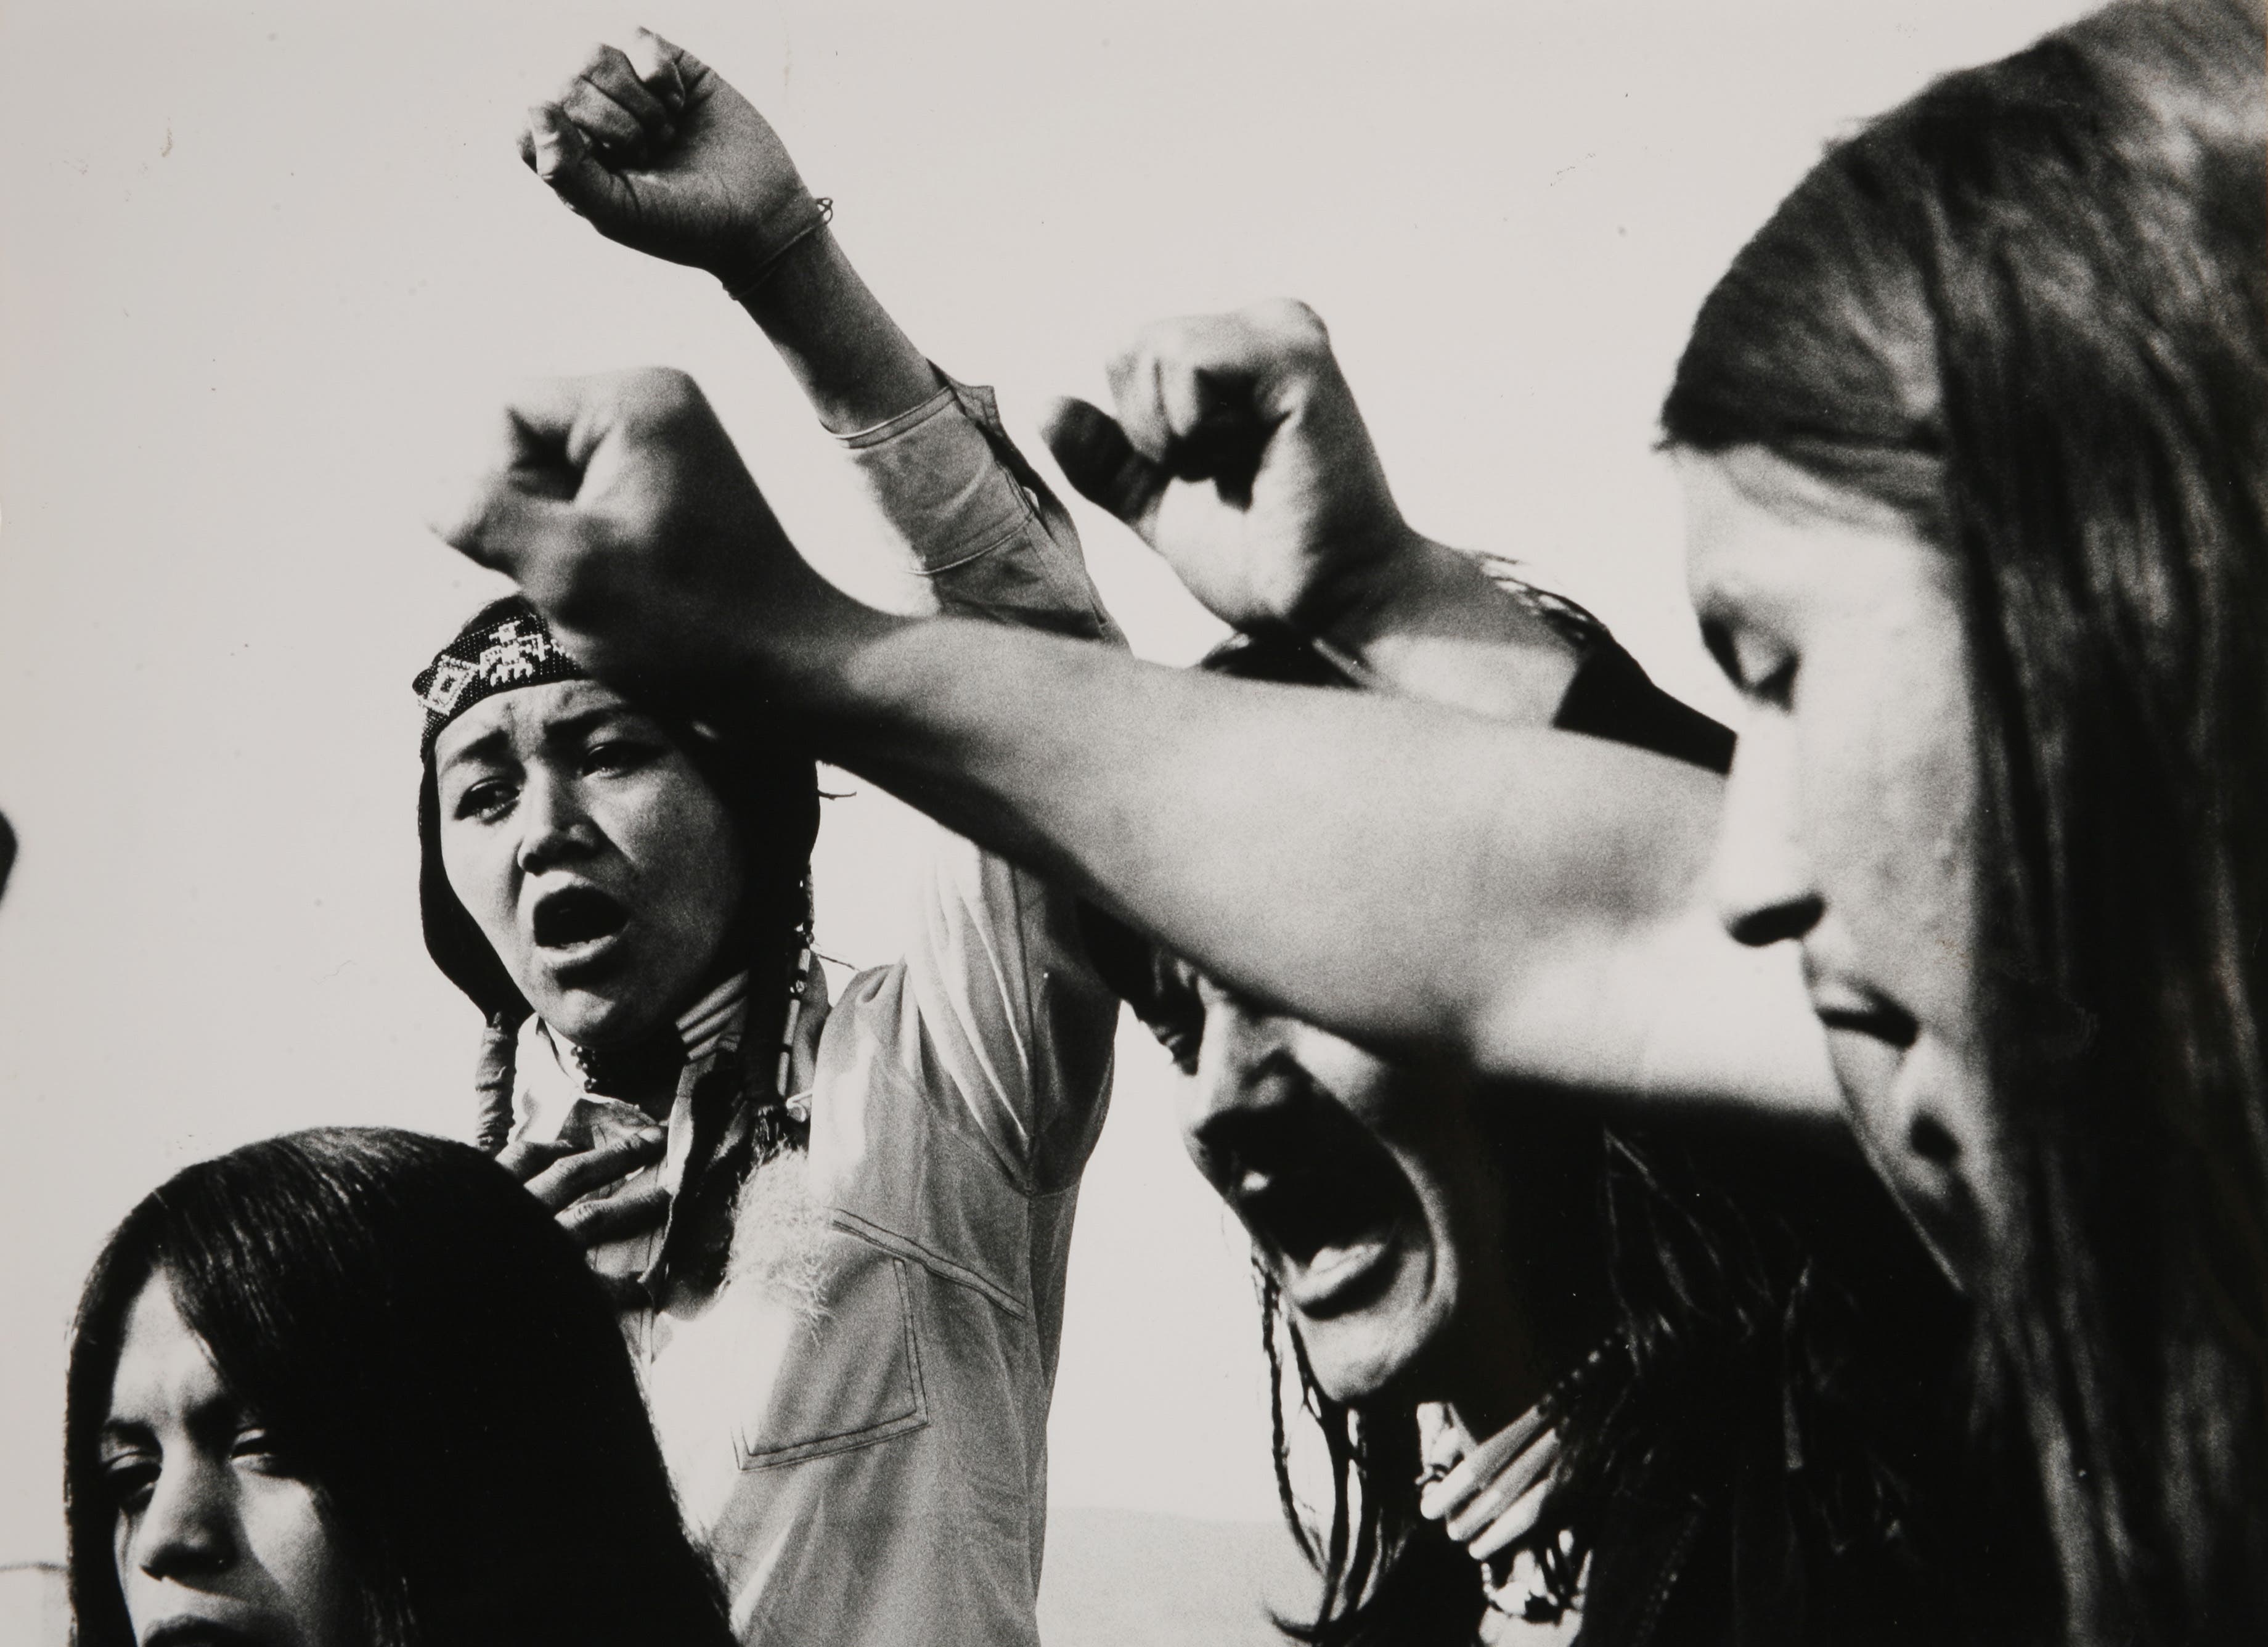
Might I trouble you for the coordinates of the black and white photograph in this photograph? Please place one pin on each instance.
(1236, 823)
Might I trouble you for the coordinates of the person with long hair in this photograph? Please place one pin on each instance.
(1662, 1378)
(354, 1388)
(838, 1229)
(1988, 571)
(1976, 434)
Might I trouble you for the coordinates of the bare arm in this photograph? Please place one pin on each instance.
(657, 151)
(1394, 871)
(1239, 454)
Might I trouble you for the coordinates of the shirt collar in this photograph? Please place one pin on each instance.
(551, 1085)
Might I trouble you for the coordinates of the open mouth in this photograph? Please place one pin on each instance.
(576, 915)
(1326, 1204)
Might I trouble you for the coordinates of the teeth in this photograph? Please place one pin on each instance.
(1329, 1259)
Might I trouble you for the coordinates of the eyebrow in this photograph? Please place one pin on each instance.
(123, 1431)
(490, 745)
(485, 747)
(219, 1414)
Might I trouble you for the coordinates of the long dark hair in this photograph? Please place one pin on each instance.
(1770, 1431)
(2030, 309)
(427, 1347)
(1771, 1428)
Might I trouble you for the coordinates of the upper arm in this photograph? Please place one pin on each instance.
(1010, 1027)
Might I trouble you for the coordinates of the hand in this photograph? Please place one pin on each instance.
(577, 1184)
(620, 506)
(1238, 454)
(653, 147)
(1492, 1498)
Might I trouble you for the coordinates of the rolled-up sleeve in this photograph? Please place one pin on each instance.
(978, 525)
(1006, 1024)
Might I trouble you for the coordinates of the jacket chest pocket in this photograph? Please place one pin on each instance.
(857, 1377)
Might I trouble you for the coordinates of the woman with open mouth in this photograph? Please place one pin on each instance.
(1976, 439)
(317, 1394)
(837, 1229)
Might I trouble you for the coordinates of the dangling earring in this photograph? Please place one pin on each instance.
(798, 985)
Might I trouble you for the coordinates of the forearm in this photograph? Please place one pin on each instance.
(1386, 869)
(1427, 620)
(848, 356)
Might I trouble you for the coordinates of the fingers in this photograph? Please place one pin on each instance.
(1450, 1495)
(1500, 1501)
(613, 107)
(669, 71)
(621, 105)
(515, 512)
(1517, 1522)
(557, 150)
(524, 1157)
(1198, 395)
(1101, 463)
(501, 521)
(593, 1224)
(568, 1178)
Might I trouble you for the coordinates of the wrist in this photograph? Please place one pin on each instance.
(798, 654)
(784, 230)
(1358, 599)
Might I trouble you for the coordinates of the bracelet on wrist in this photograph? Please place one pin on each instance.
(741, 288)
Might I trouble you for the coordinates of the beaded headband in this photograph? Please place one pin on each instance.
(506, 646)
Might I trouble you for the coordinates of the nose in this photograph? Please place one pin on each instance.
(1242, 1049)
(1762, 885)
(555, 827)
(186, 1530)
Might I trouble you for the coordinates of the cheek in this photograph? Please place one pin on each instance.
(285, 1536)
(681, 844)
(1889, 799)
(121, 1555)
(1367, 1089)
(477, 866)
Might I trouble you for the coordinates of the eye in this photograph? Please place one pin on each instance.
(257, 1448)
(1774, 683)
(1759, 669)
(128, 1479)
(614, 756)
(487, 799)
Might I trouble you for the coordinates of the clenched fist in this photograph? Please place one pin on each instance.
(620, 506)
(1238, 454)
(652, 145)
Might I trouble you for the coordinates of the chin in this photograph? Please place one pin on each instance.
(1360, 1361)
(590, 1020)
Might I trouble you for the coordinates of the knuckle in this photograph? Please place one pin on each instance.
(1295, 322)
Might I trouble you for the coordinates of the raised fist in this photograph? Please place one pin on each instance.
(620, 506)
(652, 145)
(1238, 454)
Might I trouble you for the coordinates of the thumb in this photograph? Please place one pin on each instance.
(556, 151)
(1101, 463)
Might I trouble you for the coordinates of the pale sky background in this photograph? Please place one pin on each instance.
(255, 261)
